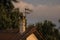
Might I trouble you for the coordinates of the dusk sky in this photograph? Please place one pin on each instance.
(42, 10)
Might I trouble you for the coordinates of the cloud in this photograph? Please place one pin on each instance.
(40, 12)
(48, 10)
(22, 5)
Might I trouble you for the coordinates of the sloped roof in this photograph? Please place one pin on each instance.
(31, 30)
(8, 35)
(17, 36)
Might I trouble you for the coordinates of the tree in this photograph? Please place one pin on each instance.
(48, 30)
(9, 17)
(59, 20)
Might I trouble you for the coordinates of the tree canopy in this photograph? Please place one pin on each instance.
(47, 28)
(9, 17)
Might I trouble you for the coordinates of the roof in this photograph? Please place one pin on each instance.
(7, 35)
(31, 30)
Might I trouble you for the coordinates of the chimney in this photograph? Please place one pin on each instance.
(22, 26)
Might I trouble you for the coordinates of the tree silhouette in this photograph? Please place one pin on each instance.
(48, 30)
(9, 17)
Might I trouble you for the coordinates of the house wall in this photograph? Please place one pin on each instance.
(32, 37)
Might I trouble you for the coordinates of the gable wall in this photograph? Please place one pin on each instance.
(32, 37)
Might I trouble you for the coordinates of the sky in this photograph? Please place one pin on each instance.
(42, 10)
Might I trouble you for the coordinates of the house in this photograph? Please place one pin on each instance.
(22, 33)
(30, 34)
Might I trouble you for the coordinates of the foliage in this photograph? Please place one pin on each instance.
(59, 20)
(48, 30)
(9, 17)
